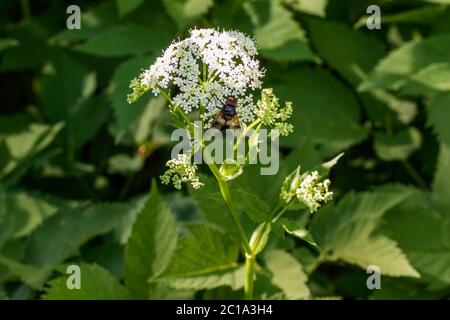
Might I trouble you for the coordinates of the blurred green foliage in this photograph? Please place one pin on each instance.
(76, 160)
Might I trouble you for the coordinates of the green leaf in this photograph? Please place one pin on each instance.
(424, 235)
(288, 274)
(434, 77)
(14, 123)
(124, 40)
(347, 49)
(124, 164)
(62, 86)
(133, 120)
(26, 211)
(151, 245)
(261, 234)
(127, 6)
(90, 115)
(6, 43)
(346, 231)
(277, 33)
(316, 7)
(398, 66)
(230, 169)
(299, 232)
(185, 12)
(425, 15)
(439, 117)
(48, 245)
(96, 284)
(399, 146)
(205, 258)
(27, 145)
(250, 204)
(94, 19)
(29, 38)
(31, 275)
(210, 202)
(340, 127)
(441, 183)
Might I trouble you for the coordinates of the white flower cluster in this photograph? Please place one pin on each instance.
(273, 115)
(206, 68)
(181, 171)
(313, 193)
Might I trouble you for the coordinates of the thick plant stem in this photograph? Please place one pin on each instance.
(250, 262)
(227, 198)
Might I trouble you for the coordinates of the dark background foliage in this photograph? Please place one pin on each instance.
(77, 161)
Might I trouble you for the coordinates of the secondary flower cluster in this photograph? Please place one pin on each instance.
(313, 193)
(206, 68)
(272, 114)
(308, 188)
(181, 170)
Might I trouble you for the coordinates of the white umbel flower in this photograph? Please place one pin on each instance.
(313, 193)
(181, 171)
(229, 59)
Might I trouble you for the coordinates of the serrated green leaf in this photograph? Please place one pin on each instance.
(26, 146)
(288, 274)
(62, 86)
(185, 12)
(340, 127)
(96, 284)
(279, 36)
(233, 278)
(439, 117)
(97, 17)
(133, 121)
(428, 80)
(399, 65)
(47, 245)
(30, 39)
(127, 6)
(124, 164)
(31, 275)
(209, 200)
(425, 14)
(399, 146)
(441, 182)
(251, 205)
(316, 7)
(90, 115)
(347, 49)
(205, 258)
(124, 40)
(347, 231)
(26, 211)
(151, 245)
(410, 224)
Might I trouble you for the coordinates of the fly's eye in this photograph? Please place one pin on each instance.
(228, 108)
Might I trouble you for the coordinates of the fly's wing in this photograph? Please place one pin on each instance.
(219, 122)
(234, 123)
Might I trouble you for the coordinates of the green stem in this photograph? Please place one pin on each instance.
(230, 205)
(26, 10)
(413, 173)
(247, 129)
(178, 109)
(250, 262)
